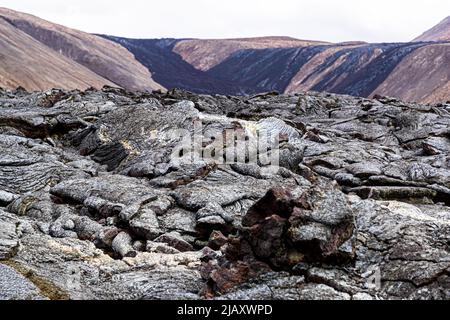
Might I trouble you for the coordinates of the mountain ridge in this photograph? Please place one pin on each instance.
(412, 71)
(107, 59)
(440, 32)
(28, 63)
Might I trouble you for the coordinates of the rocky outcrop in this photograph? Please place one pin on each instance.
(104, 195)
(9, 238)
(16, 287)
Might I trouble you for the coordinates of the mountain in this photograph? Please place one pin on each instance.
(185, 64)
(172, 71)
(77, 59)
(354, 70)
(414, 71)
(39, 55)
(423, 75)
(205, 54)
(26, 62)
(440, 32)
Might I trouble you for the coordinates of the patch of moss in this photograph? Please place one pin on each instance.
(25, 204)
(46, 287)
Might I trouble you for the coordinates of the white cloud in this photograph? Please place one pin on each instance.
(344, 20)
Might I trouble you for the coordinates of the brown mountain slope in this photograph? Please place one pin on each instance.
(26, 62)
(205, 54)
(413, 71)
(306, 78)
(440, 32)
(441, 94)
(423, 75)
(37, 54)
(106, 58)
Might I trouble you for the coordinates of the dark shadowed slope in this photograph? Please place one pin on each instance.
(169, 69)
(264, 69)
(355, 70)
(363, 68)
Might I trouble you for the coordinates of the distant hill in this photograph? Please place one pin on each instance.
(205, 54)
(415, 71)
(37, 54)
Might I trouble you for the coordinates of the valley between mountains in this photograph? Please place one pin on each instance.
(40, 55)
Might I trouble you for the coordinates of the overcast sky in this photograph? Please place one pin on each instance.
(331, 20)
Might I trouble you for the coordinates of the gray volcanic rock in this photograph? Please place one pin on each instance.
(9, 239)
(16, 287)
(287, 227)
(102, 196)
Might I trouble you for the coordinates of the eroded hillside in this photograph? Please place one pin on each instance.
(73, 53)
